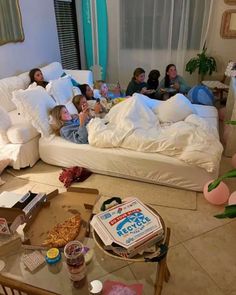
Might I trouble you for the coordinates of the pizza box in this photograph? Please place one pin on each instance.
(130, 225)
(16, 209)
(58, 208)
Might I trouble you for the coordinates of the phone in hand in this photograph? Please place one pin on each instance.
(98, 100)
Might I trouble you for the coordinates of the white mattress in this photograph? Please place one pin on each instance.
(148, 167)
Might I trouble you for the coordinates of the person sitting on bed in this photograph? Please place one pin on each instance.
(172, 83)
(137, 84)
(36, 76)
(71, 127)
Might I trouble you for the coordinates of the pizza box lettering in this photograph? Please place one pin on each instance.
(129, 225)
(58, 208)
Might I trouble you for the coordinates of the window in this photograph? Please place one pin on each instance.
(148, 24)
(67, 33)
(10, 22)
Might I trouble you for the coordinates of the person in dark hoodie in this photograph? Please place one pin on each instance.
(137, 84)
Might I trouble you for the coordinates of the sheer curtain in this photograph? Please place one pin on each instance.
(10, 22)
(153, 33)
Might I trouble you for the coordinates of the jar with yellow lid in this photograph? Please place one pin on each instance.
(53, 259)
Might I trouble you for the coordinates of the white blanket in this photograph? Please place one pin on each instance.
(132, 124)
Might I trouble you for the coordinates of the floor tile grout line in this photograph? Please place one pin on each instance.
(208, 231)
(205, 271)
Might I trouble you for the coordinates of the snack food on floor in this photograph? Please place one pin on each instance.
(64, 232)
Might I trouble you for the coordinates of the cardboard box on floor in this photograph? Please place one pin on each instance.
(58, 208)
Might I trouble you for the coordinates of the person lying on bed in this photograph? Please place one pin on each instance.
(99, 107)
(71, 127)
(95, 110)
(36, 76)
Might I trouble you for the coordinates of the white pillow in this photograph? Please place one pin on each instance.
(52, 71)
(71, 108)
(35, 104)
(5, 124)
(61, 90)
(175, 109)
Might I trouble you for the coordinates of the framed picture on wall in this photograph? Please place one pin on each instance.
(228, 24)
(230, 2)
(11, 29)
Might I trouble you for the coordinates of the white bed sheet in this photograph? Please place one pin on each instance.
(148, 167)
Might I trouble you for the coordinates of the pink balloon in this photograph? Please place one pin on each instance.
(221, 113)
(234, 161)
(232, 199)
(217, 196)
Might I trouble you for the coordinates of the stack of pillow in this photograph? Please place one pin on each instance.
(35, 102)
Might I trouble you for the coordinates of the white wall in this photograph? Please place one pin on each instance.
(222, 49)
(41, 41)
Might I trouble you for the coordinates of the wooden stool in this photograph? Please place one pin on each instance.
(163, 272)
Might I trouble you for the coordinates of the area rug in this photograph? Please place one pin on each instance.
(108, 186)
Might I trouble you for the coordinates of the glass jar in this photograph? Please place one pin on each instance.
(53, 259)
(75, 263)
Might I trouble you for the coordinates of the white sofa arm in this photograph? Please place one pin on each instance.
(81, 76)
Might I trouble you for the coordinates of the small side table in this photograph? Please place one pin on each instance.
(163, 272)
(217, 87)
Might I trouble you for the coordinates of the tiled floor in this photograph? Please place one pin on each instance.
(202, 255)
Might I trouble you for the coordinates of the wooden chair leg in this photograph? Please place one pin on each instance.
(162, 269)
(167, 274)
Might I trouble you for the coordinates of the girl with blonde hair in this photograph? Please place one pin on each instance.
(70, 127)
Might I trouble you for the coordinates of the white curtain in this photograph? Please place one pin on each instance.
(153, 33)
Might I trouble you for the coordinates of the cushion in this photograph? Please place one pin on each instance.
(5, 123)
(3, 164)
(175, 109)
(73, 81)
(61, 89)
(35, 104)
(81, 76)
(21, 133)
(25, 78)
(71, 108)
(7, 86)
(52, 71)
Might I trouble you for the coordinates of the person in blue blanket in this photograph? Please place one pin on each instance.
(71, 127)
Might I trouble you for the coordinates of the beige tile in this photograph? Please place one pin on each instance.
(102, 264)
(41, 173)
(187, 277)
(206, 208)
(186, 224)
(215, 251)
(148, 193)
(17, 185)
(225, 167)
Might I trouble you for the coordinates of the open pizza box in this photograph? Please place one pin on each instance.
(58, 208)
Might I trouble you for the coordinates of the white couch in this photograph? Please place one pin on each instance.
(19, 140)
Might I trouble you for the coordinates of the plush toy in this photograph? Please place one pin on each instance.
(69, 175)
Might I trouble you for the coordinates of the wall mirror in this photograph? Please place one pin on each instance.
(10, 22)
(228, 24)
